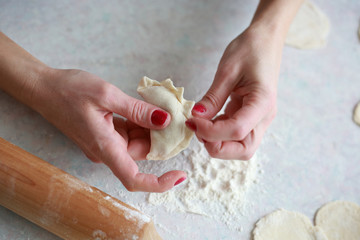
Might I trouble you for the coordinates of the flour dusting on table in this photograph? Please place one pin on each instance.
(214, 188)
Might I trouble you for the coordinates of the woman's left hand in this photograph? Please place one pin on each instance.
(247, 74)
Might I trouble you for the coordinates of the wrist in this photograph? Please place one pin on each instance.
(274, 32)
(21, 75)
(22, 80)
(31, 88)
(275, 16)
(40, 92)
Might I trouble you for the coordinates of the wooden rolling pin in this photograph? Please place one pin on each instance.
(64, 205)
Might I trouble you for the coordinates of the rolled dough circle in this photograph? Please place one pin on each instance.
(339, 220)
(286, 225)
(310, 28)
(356, 116)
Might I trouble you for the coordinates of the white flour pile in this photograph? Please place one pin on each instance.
(214, 188)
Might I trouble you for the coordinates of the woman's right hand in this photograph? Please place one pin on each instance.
(81, 105)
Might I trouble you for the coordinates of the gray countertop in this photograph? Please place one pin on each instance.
(312, 147)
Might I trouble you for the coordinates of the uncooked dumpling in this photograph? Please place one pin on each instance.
(310, 28)
(167, 142)
(286, 225)
(356, 115)
(339, 220)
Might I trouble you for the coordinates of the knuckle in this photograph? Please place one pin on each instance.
(214, 151)
(247, 155)
(201, 134)
(213, 99)
(273, 113)
(248, 151)
(128, 183)
(270, 104)
(94, 149)
(239, 133)
(92, 158)
(227, 70)
(104, 90)
(129, 186)
(214, 154)
(138, 108)
(105, 93)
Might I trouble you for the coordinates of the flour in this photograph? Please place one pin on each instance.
(130, 214)
(104, 211)
(99, 235)
(214, 188)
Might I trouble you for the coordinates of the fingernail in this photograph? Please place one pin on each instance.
(199, 108)
(204, 141)
(190, 125)
(158, 117)
(179, 181)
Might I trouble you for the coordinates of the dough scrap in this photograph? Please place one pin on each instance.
(340, 220)
(167, 142)
(356, 116)
(310, 28)
(286, 225)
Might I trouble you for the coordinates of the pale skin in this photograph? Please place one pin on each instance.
(247, 73)
(81, 105)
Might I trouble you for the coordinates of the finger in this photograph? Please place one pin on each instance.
(139, 133)
(121, 127)
(234, 104)
(139, 148)
(224, 82)
(127, 171)
(124, 167)
(240, 150)
(139, 143)
(151, 183)
(93, 159)
(136, 137)
(235, 128)
(137, 111)
(244, 149)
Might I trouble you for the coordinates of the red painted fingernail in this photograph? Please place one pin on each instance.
(158, 117)
(179, 181)
(199, 108)
(190, 125)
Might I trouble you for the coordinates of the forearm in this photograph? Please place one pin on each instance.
(276, 16)
(20, 72)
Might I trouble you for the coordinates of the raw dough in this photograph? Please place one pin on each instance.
(310, 28)
(168, 142)
(356, 116)
(286, 225)
(339, 220)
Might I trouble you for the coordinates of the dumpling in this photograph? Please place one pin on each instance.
(167, 142)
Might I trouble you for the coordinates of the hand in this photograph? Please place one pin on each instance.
(81, 105)
(247, 73)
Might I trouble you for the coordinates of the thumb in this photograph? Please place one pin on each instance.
(213, 100)
(139, 112)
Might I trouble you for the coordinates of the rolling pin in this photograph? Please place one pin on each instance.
(63, 204)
